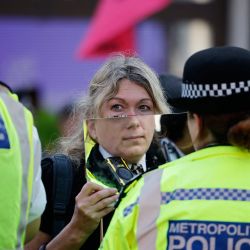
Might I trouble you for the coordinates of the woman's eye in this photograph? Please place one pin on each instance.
(116, 107)
(145, 108)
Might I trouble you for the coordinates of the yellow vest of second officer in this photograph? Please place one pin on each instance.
(16, 170)
(201, 201)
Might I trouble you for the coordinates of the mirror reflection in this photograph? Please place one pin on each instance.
(119, 148)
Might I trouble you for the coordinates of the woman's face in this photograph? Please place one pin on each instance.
(131, 135)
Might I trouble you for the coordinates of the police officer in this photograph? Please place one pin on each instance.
(22, 195)
(202, 200)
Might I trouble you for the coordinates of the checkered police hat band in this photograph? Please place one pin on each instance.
(214, 90)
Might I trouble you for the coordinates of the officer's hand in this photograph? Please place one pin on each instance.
(92, 203)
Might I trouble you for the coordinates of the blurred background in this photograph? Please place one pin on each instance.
(50, 49)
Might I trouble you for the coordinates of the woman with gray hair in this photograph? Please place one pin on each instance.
(119, 108)
(104, 87)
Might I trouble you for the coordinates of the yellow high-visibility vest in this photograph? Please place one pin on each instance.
(88, 142)
(88, 145)
(16, 170)
(200, 201)
(90, 177)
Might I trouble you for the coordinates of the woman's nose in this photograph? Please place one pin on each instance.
(133, 120)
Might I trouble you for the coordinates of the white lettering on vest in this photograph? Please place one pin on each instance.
(206, 235)
(202, 240)
(176, 242)
(241, 242)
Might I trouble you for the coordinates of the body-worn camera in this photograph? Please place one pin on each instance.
(120, 170)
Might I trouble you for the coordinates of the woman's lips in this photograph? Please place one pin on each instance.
(133, 137)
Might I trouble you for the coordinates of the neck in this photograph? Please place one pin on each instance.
(211, 144)
(203, 140)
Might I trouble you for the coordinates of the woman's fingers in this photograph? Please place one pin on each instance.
(100, 214)
(101, 208)
(102, 195)
(89, 188)
(106, 202)
(91, 204)
(94, 197)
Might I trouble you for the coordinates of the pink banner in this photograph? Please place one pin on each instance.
(111, 28)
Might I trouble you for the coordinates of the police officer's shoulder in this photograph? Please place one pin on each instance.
(127, 187)
(176, 162)
(5, 87)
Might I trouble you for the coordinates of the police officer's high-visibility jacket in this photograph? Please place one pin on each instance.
(16, 170)
(90, 177)
(200, 201)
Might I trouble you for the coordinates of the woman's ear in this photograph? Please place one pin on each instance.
(91, 129)
(199, 121)
(195, 125)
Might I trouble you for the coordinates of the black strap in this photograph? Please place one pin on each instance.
(62, 186)
(171, 151)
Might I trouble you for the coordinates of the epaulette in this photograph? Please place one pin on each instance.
(125, 189)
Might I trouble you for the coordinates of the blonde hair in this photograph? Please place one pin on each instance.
(105, 84)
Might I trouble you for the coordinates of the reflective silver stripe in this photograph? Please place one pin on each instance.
(149, 209)
(225, 194)
(16, 112)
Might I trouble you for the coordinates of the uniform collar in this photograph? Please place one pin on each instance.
(214, 150)
(105, 154)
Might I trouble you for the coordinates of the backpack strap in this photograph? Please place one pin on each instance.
(62, 187)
